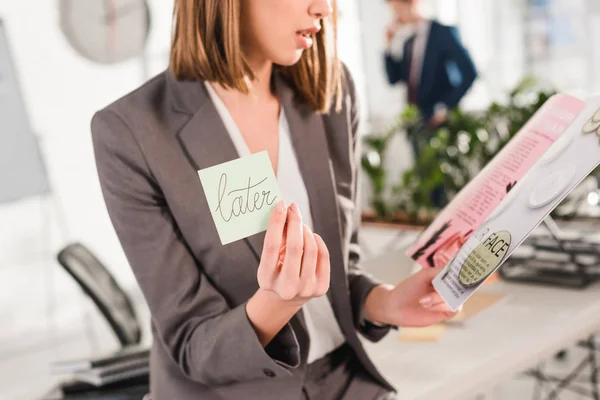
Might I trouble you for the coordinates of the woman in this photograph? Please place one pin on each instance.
(251, 320)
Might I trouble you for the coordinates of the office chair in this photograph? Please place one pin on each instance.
(97, 282)
(116, 307)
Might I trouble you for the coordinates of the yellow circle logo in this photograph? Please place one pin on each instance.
(484, 259)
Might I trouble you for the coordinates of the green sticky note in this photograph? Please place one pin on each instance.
(241, 195)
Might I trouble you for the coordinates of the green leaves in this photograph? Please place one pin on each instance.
(450, 156)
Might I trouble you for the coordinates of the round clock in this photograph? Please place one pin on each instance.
(106, 31)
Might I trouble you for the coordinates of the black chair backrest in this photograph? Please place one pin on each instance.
(97, 282)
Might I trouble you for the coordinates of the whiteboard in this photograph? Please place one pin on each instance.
(22, 170)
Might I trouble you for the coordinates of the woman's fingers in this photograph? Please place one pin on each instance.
(323, 267)
(436, 308)
(272, 244)
(295, 261)
(281, 259)
(435, 303)
(431, 299)
(440, 308)
(309, 263)
(289, 277)
(433, 272)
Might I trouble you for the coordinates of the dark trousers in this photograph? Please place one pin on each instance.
(419, 138)
(339, 376)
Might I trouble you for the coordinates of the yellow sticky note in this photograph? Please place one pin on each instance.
(241, 194)
(431, 333)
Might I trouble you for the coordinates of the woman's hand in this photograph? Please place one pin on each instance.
(294, 268)
(412, 303)
(295, 261)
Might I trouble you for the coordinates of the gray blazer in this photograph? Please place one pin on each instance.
(148, 146)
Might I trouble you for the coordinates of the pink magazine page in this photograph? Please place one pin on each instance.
(440, 242)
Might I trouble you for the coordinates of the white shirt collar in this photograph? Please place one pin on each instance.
(422, 27)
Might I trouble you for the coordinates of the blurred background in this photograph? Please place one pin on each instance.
(60, 61)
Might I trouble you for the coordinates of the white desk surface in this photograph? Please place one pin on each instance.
(530, 325)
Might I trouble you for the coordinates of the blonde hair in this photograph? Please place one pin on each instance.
(206, 46)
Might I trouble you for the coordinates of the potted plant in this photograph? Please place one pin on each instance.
(450, 156)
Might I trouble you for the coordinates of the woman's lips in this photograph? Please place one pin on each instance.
(304, 37)
(304, 40)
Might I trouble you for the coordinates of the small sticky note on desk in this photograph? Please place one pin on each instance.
(241, 195)
(431, 333)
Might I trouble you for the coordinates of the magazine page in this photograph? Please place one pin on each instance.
(475, 202)
(560, 169)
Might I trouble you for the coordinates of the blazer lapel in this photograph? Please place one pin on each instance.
(429, 63)
(204, 138)
(408, 49)
(310, 144)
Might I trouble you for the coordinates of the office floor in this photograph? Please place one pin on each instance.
(46, 318)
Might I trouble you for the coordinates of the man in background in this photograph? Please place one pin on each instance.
(436, 67)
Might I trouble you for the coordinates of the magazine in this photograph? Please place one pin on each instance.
(555, 150)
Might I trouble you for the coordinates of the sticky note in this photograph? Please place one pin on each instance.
(431, 333)
(241, 195)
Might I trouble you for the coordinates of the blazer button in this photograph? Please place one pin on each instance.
(269, 373)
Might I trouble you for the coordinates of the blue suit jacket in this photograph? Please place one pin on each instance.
(448, 70)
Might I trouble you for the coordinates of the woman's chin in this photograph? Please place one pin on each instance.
(290, 59)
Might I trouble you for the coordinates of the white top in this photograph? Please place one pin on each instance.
(418, 54)
(323, 329)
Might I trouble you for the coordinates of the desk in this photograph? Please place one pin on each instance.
(528, 326)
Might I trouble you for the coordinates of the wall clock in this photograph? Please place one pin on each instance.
(106, 31)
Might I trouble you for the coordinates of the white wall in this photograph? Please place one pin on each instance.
(62, 91)
(384, 101)
(350, 48)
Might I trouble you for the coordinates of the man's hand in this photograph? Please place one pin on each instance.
(439, 117)
(412, 303)
(390, 33)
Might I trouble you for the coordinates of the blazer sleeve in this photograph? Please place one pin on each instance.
(460, 68)
(211, 342)
(394, 68)
(360, 282)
